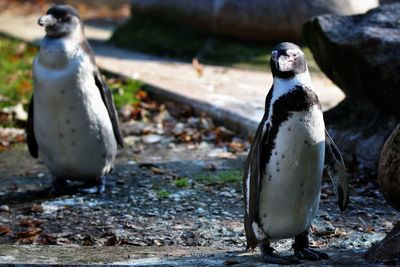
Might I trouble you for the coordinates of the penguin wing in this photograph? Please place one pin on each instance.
(254, 168)
(251, 184)
(107, 97)
(334, 166)
(30, 134)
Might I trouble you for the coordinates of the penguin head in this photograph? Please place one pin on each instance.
(287, 60)
(61, 20)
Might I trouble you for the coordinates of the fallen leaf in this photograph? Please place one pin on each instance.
(45, 239)
(113, 240)
(199, 68)
(88, 241)
(37, 208)
(156, 170)
(223, 135)
(32, 231)
(5, 230)
(30, 223)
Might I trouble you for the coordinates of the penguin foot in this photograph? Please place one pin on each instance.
(273, 258)
(310, 254)
(302, 248)
(96, 187)
(58, 186)
(269, 255)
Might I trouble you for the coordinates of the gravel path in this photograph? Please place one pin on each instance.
(171, 199)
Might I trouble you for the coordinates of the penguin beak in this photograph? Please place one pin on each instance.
(47, 20)
(285, 63)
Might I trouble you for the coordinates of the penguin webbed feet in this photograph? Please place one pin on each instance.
(96, 187)
(310, 254)
(64, 187)
(59, 187)
(269, 256)
(302, 249)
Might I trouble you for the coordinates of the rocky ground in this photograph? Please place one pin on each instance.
(177, 184)
(173, 199)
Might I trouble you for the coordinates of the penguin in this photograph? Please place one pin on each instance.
(283, 171)
(72, 120)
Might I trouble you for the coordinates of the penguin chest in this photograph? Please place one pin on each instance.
(71, 123)
(290, 187)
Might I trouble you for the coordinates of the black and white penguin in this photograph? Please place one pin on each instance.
(73, 123)
(283, 173)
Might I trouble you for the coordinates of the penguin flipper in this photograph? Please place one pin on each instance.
(252, 175)
(251, 182)
(30, 134)
(107, 97)
(334, 166)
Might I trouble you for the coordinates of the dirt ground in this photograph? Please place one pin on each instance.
(173, 199)
(168, 200)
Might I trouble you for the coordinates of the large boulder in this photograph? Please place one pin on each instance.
(250, 19)
(388, 250)
(389, 169)
(361, 54)
(389, 182)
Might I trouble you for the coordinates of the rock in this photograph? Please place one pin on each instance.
(5, 208)
(125, 112)
(152, 138)
(361, 55)
(388, 249)
(17, 112)
(200, 211)
(389, 169)
(252, 19)
(360, 129)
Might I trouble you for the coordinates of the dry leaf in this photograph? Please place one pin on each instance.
(32, 231)
(4, 230)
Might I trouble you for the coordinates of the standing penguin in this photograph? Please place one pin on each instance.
(283, 173)
(72, 120)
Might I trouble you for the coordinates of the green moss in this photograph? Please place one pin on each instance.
(125, 91)
(15, 71)
(182, 182)
(16, 80)
(220, 177)
(163, 194)
(167, 38)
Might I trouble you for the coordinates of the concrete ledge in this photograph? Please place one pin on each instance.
(233, 97)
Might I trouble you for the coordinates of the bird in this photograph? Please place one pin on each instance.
(72, 121)
(284, 167)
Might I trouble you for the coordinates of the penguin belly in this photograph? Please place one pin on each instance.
(71, 123)
(290, 188)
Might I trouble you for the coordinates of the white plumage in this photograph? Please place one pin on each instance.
(71, 122)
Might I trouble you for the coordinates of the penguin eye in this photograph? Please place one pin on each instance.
(274, 55)
(63, 17)
(292, 53)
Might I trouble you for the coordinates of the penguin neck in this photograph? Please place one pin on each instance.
(284, 86)
(56, 52)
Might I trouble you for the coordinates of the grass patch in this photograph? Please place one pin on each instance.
(125, 91)
(16, 81)
(163, 194)
(220, 177)
(15, 71)
(182, 182)
(167, 38)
